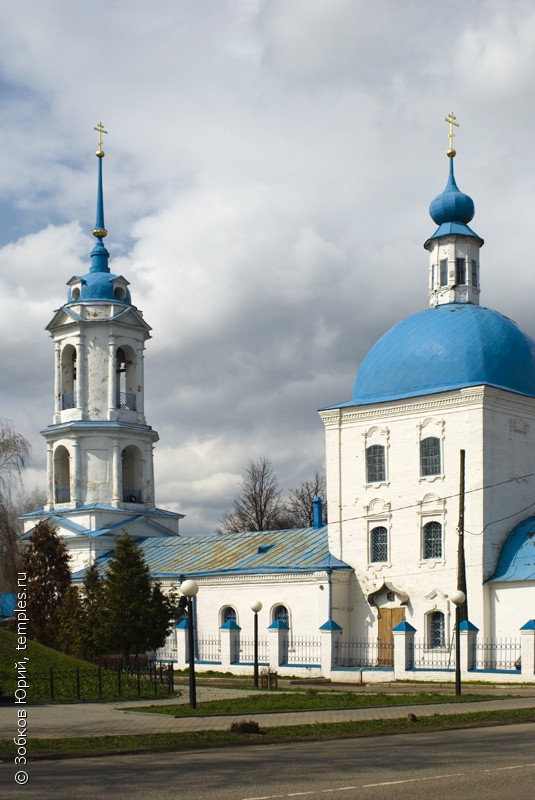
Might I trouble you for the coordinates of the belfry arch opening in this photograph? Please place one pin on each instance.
(132, 474)
(125, 369)
(68, 377)
(62, 475)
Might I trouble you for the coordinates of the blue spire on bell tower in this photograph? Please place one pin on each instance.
(99, 284)
(99, 254)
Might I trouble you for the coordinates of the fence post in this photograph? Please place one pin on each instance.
(230, 644)
(468, 638)
(277, 649)
(527, 662)
(181, 632)
(330, 633)
(403, 637)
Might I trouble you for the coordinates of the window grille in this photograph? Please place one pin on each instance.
(433, 540)
(280, 614)
(68, 400)
(379, 544)
(430, 457)
(437, 630)
(375, 463)
(229, 615)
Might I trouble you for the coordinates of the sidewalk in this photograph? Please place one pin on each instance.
(96, 719)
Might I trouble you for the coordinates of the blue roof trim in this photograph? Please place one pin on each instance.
(279, 624)
(516, 561)
(455, 229)
(154, 512)
(106, 424)
(330, 625)
(404, 626)
(465, 625)
(529, 626)
(230, 625)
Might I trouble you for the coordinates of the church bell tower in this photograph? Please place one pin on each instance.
(100, 476)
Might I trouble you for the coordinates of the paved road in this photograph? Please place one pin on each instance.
(494, 763)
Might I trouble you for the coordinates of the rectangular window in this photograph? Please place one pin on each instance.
(379, 545)
(430, 457)
(433, 540)
(375, 463)
(443, 271)
(474, 272)
(460, 271)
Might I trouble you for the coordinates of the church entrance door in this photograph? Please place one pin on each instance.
(388, 619)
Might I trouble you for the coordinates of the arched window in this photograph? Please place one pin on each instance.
(126, 379)
(437, 629)
(375, 463)
(68, 377)
(280, 614)
(430, 462)
(132, 472)
(432, 544)
(379, 544)
(62, 475)
(228, 614)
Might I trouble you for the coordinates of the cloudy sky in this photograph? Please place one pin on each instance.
(268, 171)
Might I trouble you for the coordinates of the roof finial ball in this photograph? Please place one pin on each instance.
(451, 120)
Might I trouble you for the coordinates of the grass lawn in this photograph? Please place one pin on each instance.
(72, 679)
(159, 742)
(295, 700)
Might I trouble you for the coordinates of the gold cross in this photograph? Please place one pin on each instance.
(100, 130)
(450, 119)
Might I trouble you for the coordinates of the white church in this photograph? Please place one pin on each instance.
(368, 596)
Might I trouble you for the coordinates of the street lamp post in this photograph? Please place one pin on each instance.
(458, 598)
(256, 607)
(189, 589)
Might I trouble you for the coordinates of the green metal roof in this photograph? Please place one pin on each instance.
(258, 552)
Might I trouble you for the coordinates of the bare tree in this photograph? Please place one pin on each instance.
(258, 506)
(299, 506)
(14, 456)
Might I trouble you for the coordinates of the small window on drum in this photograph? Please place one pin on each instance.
(119, 292)
(75, 294)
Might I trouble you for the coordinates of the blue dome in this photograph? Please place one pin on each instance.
(517, 556)
(448, 347)
(100, 286)
(452, 205)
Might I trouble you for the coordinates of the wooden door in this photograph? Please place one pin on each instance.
(388, 619)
